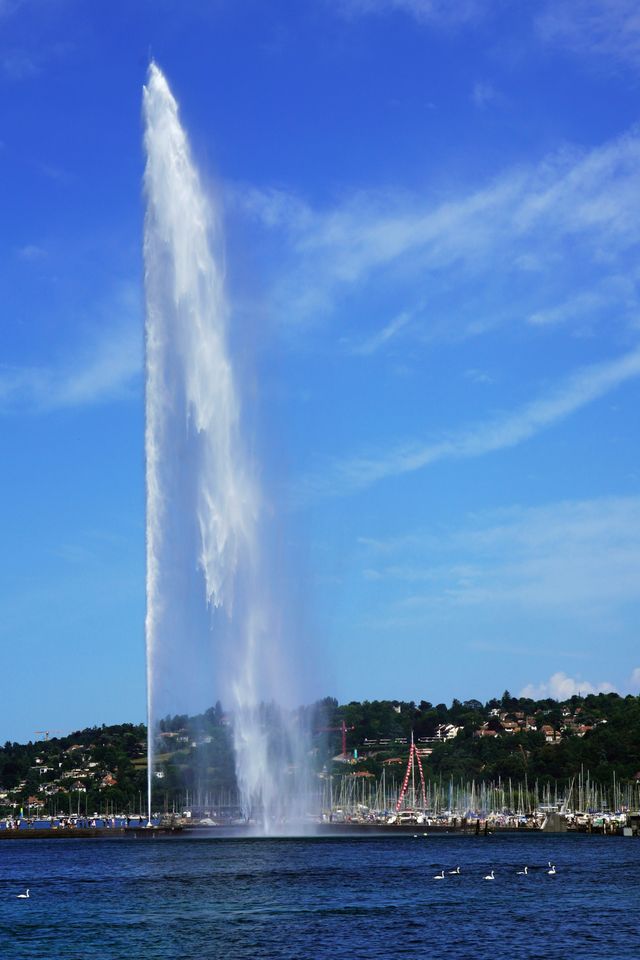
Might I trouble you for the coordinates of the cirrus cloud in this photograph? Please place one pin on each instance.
(104, 365)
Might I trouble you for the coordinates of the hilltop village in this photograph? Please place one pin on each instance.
(103, 769)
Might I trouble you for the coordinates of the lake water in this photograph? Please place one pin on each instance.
(177, 899)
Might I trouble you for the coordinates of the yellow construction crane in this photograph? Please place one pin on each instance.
(47, 732)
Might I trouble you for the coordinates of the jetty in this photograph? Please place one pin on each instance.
(102, 829)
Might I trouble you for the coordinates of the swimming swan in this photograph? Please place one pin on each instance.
(440, 876)
(552, 872)
(454, 872)
(490, 876)
(523, 873)
(23, 896)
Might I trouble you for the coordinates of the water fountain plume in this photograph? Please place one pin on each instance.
(207, 594)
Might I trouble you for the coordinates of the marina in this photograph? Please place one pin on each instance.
(413, 823)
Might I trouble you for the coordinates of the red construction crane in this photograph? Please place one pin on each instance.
(343, 727)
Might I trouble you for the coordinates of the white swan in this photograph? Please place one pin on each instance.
(523, 873)
(454, 872)
(552, 872)
(490, 876)
(23, 896)
(440, 876)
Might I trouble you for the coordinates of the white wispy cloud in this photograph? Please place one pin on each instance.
(573, 565)
(103, 371)
(19, 65)
(634, 681)
(560, 687)
(437, 12)
(103, 366)
(7, 7)
(517, 226)
(57, 174)
(478, 376)
(609, 29)
(379, 339)
(31, 251)
(583, 387)
(580, 305)
(578, 557)
(483, 93)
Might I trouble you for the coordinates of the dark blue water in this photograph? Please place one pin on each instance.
(345, 898)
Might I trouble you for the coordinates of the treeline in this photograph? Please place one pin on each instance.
(599, 733)
(105, 767)
(108, 762)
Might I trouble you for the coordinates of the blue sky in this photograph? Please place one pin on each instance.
(432, 224)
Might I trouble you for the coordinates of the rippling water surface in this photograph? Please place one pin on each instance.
(177, 899)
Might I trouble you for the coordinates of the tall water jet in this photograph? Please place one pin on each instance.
(208, 602)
